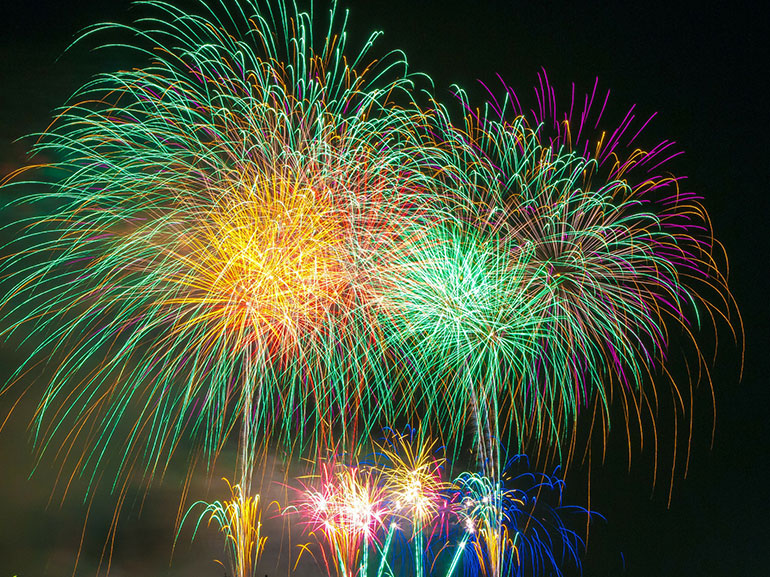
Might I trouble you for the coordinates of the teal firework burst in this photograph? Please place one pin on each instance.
(458, 309)
(617, 256)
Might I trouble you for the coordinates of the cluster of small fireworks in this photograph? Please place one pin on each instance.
(262, 231)
(396, 513)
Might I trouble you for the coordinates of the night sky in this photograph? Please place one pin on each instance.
(703, 68)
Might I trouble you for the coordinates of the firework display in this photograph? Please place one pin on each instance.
(264, 238)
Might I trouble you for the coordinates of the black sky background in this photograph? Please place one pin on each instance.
(703, 67)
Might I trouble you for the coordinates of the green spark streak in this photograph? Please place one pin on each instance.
(385, 550)
(459, 552)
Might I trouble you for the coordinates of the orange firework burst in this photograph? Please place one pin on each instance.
(414, 478)
(267, 266)
(220, 214)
